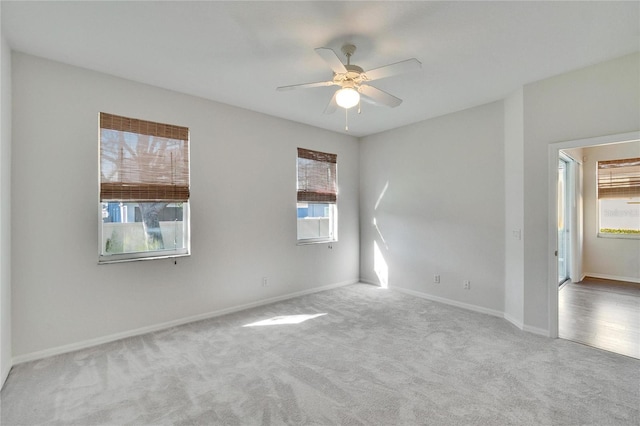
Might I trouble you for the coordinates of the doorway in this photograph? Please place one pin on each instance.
(566, 234)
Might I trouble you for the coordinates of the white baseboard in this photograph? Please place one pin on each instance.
(527, 328)
(612, 277)
(455, 303)
(536, 330)
(514, 321)
(475, 308)
(32, 356)
(4, 374)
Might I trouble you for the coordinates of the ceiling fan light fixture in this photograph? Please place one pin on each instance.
(347, 97)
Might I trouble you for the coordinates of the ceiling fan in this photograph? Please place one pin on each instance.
(353, 80)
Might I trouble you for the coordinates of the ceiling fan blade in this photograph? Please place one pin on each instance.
(393, 69)
(332, 59)
(305, 85)
(332, 105)
(379, 97)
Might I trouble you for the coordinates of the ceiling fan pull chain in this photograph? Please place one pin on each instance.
(346, 120)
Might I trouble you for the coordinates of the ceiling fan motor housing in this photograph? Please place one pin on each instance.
(354, 74)
(348, 49)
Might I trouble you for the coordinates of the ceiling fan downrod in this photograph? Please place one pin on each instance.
(348, 50)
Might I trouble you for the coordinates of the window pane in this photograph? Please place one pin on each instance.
(620, 216)
(143, 227)
(316, 221)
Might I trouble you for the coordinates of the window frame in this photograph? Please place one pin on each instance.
(329, 196)
(147, 255)
(333, 224)
(130, 125)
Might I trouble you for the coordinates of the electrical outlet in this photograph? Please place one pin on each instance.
(436, 279)
(466, 285)
(265, 281)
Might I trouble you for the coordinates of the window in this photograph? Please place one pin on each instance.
(317, 196)
(619, 198)
(144, 189)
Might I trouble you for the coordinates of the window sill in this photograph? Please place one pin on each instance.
(308, 242)
(620, 236)
(121, 259)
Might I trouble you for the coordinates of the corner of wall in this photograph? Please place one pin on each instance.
(5, 211)
(514, 208)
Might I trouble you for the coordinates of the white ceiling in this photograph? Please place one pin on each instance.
(238, 52)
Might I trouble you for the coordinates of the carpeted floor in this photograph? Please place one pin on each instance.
(377, 357)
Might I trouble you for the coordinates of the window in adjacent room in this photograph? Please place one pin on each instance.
(317, 196)
(619, 198)
(144, 189)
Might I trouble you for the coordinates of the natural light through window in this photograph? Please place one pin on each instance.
(381, 196)
(317, 190)
(619, 198)
(380, 266)
(144, 189)
(284, 319)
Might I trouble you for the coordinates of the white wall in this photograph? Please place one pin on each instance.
(243, 211)
(603, 99)
(613, 258)
(5, 210)
(436, 192)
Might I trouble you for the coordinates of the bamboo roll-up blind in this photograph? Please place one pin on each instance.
(317, 176)
(142, 160)
(619, 178)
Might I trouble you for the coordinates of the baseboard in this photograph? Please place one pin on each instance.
(612, 277)
(455, 303)
(514, 321)
(475, 308)
(527, 328)
(5, 374)
(32, 356)
(536, 330)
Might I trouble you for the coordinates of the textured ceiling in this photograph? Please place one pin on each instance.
(239, 52)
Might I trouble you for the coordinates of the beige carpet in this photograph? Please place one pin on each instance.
(376, 357)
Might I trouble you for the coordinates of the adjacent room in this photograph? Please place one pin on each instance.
(350, 212)
(598, 227)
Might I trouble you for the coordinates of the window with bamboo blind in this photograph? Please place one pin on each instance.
(144, 189)
(619, 197)
(317, 195)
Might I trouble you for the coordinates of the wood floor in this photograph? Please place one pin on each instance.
(601, 313)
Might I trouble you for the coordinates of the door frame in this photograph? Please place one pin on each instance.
(552, 260)
(568, 213)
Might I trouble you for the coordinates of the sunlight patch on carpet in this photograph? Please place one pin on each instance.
(284, 319)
